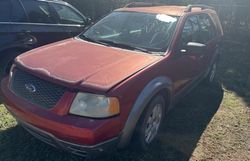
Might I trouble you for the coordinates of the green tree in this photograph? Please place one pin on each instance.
(234, 15)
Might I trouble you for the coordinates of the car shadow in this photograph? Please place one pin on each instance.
(179, 136)
(183, 127)
(18, 144)
(235, 69)
(186, 123)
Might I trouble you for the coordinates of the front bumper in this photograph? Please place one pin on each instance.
(80, 150)
(78, 135)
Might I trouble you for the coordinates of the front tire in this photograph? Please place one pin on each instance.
(150, 123)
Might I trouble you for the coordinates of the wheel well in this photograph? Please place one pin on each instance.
(160, 85)
(14, 49)
(6, 58)
(167, 97)
(166, 94)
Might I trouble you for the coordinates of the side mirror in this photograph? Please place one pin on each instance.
(194, 48)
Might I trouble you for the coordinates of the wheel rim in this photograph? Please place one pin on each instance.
(213, 72)
(153, 123)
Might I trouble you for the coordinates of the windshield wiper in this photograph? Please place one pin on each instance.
(116, 44)
(126, 46)
(93, 40)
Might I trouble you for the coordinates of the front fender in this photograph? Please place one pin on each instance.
(152, 88)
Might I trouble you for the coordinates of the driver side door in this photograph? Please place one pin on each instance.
(186, 64)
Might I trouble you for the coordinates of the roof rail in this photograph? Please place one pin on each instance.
(142, 4)
(190, 7)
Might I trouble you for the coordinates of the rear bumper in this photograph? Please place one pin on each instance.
(80, 150)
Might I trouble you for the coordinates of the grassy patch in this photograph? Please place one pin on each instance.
(211, 123)
(6, 120)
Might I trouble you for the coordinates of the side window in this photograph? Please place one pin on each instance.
(5, 7)
(207, 28)
(67, 15)
(190, 31)
(38, 12)
(17, 13)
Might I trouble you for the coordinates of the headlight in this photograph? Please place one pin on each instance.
(94, 106)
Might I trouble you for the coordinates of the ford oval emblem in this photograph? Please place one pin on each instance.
(30, 87)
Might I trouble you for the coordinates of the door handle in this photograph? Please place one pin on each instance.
(24, 32)
(27, 38)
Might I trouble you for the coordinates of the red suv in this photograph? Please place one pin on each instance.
(117, 80)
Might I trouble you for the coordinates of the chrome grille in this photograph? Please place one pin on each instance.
(35, 90)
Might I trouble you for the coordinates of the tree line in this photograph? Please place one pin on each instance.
(234, 15)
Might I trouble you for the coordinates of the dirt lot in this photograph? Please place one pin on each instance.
(211, 123)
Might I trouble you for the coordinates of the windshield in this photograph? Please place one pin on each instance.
(135, 31)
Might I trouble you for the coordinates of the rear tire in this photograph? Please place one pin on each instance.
(210, 79)
(150, 123)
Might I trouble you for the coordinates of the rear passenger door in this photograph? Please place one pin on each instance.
(35, 23)
(192, 66)
(41, 24)
(5, 15)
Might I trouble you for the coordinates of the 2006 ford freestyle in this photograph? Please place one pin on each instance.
(117, 80)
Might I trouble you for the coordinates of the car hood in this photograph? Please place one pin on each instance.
(80, 63)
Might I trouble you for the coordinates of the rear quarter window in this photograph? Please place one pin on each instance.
(67, 15)
(207, 28)
(217, 23)
(5, 8)
(17, 12)
(38, 12)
